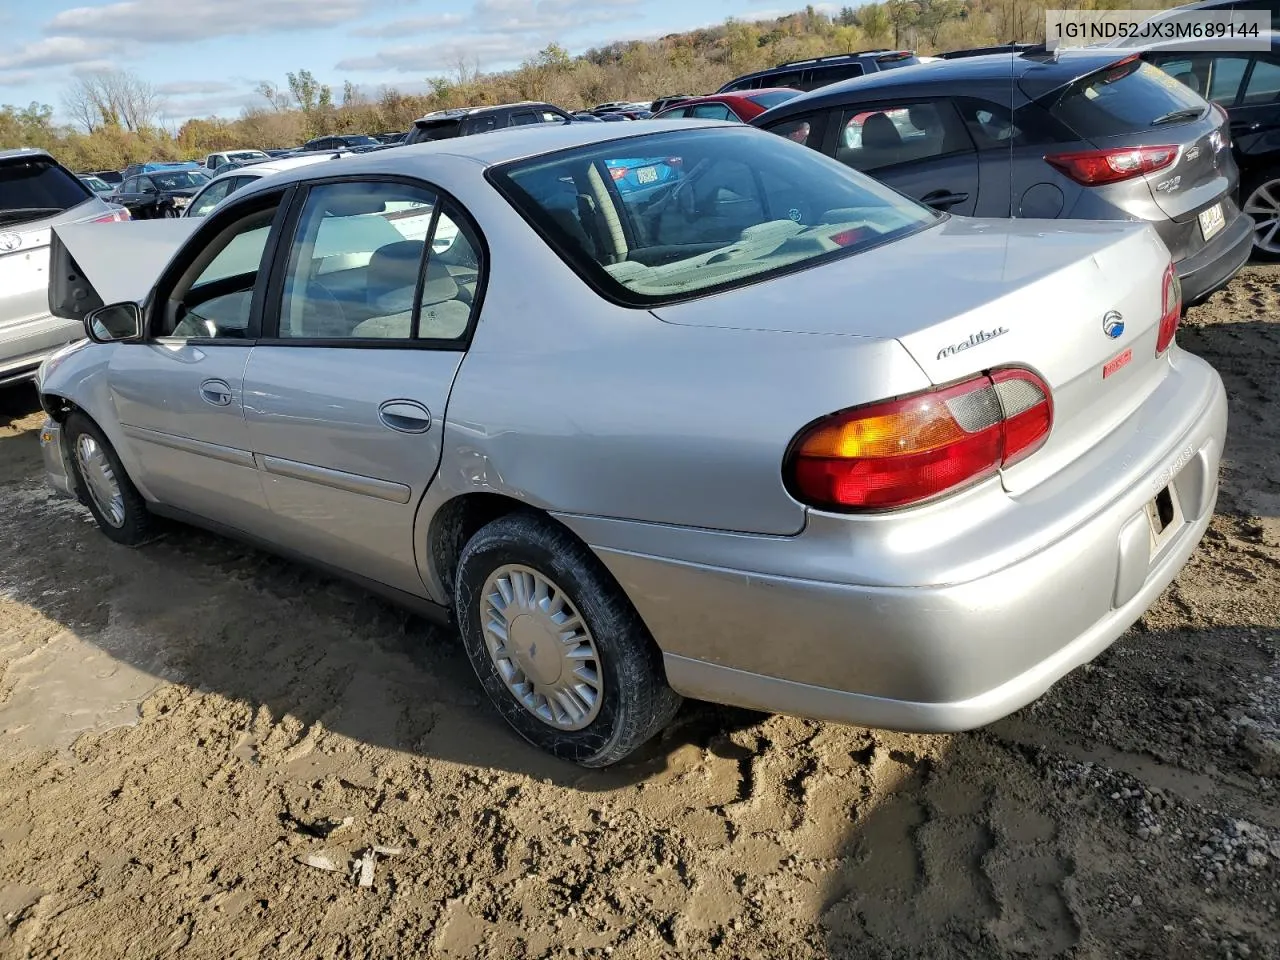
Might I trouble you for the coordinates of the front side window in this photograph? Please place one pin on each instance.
(212, 299)
(145, 185)
(1264, 83)
(708, 209)
(356, 259)
(873, 139)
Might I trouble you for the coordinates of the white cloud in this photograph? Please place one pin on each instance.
(167, 21)
(188, 107)
(182, 88)
(54, 52)
(496, 32)
(19, 78)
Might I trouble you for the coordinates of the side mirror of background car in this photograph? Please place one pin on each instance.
(114, 323)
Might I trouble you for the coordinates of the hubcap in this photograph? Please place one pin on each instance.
(98, 476)
(541, 647)
(1263, 206)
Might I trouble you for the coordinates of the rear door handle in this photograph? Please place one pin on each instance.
(405, 416)
(942, 199)
(217, 392)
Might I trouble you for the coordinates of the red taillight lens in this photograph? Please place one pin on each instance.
(1170, 309)
(915, 448)
(115, 216)
(617, 172)
(1096, 167)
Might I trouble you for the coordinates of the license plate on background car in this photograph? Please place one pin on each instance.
(647, 174)
(1212, 220)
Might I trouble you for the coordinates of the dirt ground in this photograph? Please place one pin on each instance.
(182, 726)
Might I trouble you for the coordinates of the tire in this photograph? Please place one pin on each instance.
(1254, 184)
(169, 213)
(634, 702)
(132, 525)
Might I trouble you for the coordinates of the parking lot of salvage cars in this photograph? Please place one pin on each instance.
(208, 750)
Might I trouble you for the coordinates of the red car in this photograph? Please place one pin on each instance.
(742, 106)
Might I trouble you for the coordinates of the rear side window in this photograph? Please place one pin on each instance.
(993, 127)
(711, 111)
(791, 78)
(1122, 99)
(821, 76)
(31, 189)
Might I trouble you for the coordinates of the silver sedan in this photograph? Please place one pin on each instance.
(655, 413)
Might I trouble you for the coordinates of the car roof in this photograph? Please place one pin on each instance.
(25, 152)
(1191, 45)
(501, 146)
(454, 112)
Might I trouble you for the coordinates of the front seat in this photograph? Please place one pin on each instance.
(881, 142)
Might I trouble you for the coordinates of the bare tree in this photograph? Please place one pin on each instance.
(116, 98)
(81, 105)
(278, 99)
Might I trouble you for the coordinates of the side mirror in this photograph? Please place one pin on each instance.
(149, 190)
(114, 323)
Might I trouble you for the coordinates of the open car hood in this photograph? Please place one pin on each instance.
(93, 264)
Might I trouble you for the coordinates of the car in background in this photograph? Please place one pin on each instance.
(1246, 84)
(640, 445)
(97, 185)
(214, 161)
(467, 121)
(657, 106)
(818, 72)
(389, 138)
(137, 169)
(632, 110)
(1095, 135)
(340, 142)
(111, 177)
(280, 151)
(228, 182)
(585, 116)
(36, 192)
(737, 107)
(162, 194)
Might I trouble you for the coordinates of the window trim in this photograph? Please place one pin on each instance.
(214, 224)
(496, 177)
(274, 290)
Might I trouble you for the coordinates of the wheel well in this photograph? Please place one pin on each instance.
(58, 408)
(457, 522)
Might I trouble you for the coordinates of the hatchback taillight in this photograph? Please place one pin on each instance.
(915, 448)
(115, 216)
(1093, 168)
(1170, 309)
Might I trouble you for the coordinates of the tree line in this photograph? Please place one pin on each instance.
(115, 116)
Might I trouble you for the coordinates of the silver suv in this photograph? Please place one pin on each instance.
(36, 193)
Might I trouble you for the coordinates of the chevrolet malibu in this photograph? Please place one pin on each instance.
(766, 433)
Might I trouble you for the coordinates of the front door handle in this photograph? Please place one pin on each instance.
(405, 416)
(217, 392)
(943, 199)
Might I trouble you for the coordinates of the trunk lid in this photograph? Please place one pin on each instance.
(93, 264)
(1000, 292)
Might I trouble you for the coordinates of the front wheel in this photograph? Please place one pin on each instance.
(1262, 203)
(103, 484)
(556, 645)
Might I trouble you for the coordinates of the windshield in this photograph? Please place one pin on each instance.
(360, 141)
(183, 180)
(773, 97)
(34, 188)
(664, 216)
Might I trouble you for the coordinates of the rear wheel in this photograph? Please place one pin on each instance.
(103, 484)
(556, 645)
(1262, 203)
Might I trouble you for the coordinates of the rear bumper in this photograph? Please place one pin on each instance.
(25, 344)
(752, 625)
(1212, 268)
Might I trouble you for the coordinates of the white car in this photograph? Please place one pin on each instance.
(230, 181)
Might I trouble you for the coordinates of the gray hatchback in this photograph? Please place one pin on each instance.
(1080, 135)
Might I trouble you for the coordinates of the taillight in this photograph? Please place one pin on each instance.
(115, 216)
(617, 173)
(1170, 309)
(915, 448)
(1095, 167)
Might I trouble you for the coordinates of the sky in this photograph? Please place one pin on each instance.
(205, 57)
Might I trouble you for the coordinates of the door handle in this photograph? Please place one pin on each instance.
(405, 416)
(217, 392)
(943, 199)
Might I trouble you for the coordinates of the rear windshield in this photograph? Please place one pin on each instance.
(182, 180)
(773, 98)
(436, 130)
(34, 188)
(1125, 99)
(668, 216)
